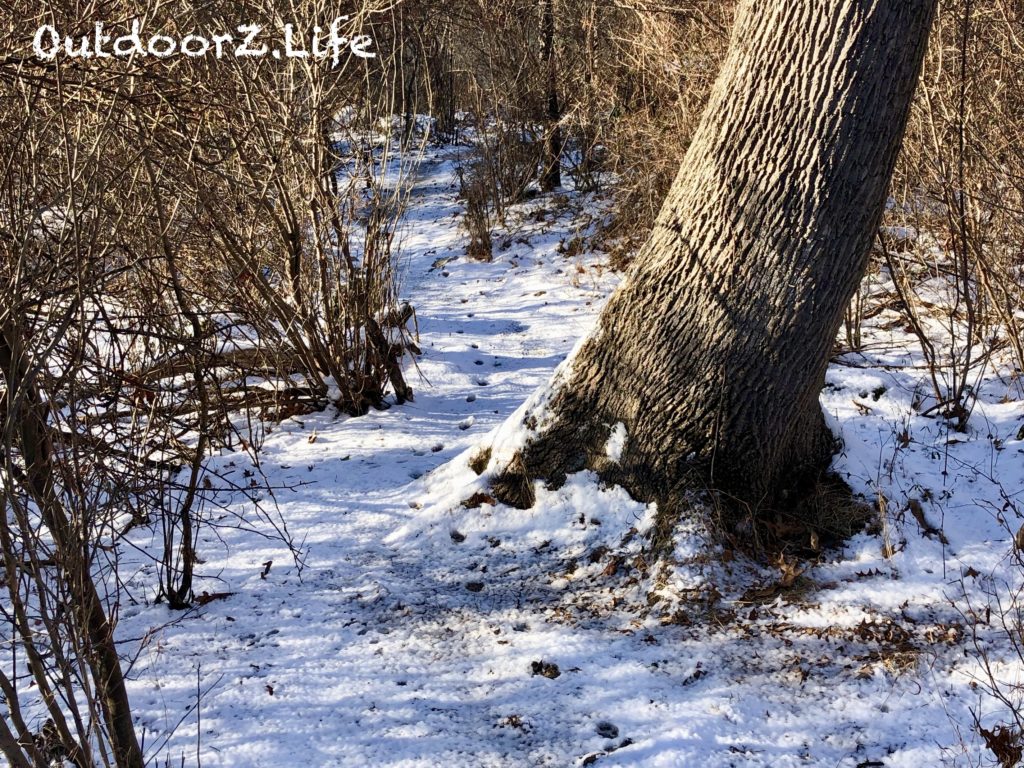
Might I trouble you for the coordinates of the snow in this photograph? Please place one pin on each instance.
(414, 620)
(616, 443)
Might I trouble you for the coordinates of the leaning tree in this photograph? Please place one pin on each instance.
(711, 355)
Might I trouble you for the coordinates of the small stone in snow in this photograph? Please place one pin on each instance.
(545, 669)
(606, 730)
(475, 586)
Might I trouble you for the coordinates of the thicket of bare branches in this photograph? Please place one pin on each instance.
(171, 231)
(956, 248)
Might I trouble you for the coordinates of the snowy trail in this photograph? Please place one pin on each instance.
(416, 639)
(382, 649)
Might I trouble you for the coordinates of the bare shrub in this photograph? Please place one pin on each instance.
(169, 231)
(638, 76)
(993, 613)
(477, 193)
(959, 202)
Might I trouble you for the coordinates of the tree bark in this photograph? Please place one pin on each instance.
(713, 352)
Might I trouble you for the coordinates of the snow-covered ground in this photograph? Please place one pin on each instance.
(420, 632)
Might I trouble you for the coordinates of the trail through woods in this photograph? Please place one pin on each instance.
(423, 633)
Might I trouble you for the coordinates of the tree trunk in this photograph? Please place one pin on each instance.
(551, 174)
(713, 351)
